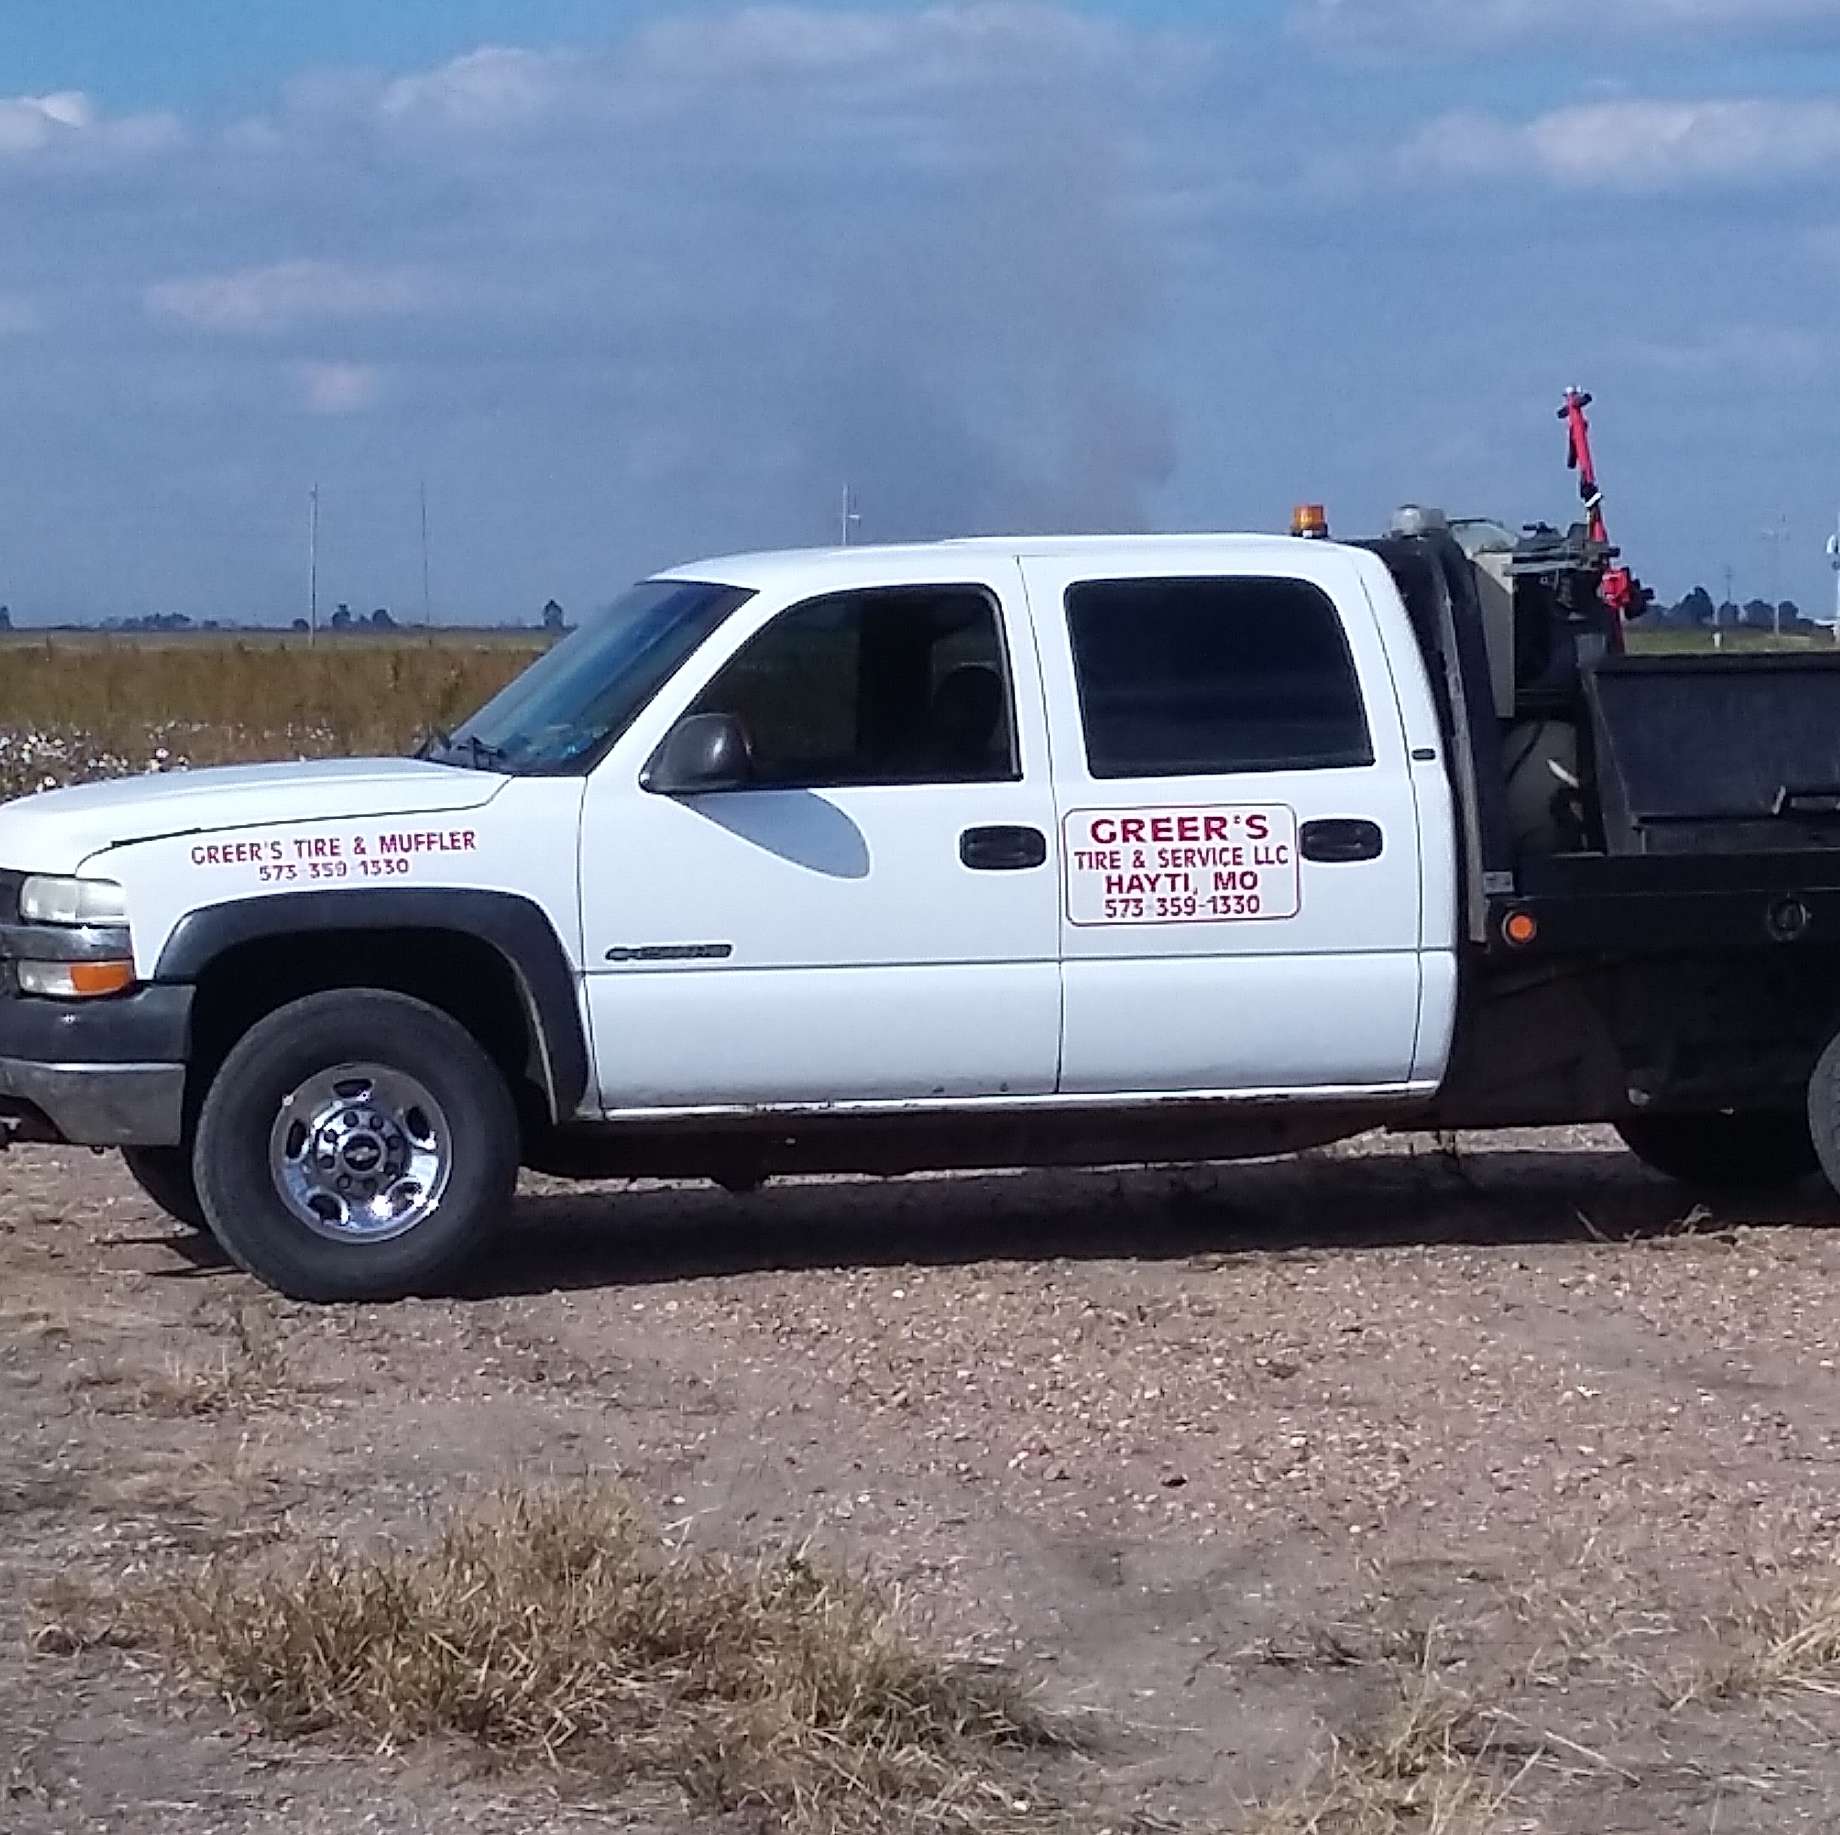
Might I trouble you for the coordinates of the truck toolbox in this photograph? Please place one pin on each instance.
(1717, 753)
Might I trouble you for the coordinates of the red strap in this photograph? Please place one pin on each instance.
(1618, 587)
(1579, 459)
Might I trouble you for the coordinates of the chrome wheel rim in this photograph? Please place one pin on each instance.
(361, 1153)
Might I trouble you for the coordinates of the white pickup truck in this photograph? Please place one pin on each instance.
(983, 853)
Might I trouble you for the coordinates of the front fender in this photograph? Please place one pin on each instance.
(515, 927)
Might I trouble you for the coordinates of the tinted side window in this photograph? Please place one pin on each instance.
(1183, 678)
(903, 685)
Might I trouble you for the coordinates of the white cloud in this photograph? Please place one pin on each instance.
(917, 46)
(493, 87)
(284, 295)
(908, 246)
(997, 264)
(29, 123)
(1636, 145)
(338, 388)
(853, 60)
(1466, 24)
(68, 122)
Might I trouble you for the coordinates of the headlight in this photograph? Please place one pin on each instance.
(47, 900)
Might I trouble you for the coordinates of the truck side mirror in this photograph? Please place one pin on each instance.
(702, 752)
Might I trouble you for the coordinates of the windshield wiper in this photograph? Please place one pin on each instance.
(442, 748)
(484, 752)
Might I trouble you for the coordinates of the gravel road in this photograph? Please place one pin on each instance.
(1223, 1456)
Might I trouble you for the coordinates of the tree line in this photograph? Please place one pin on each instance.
(552, 619)
(1699, 608)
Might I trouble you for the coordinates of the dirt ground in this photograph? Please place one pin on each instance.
(1225, 1457)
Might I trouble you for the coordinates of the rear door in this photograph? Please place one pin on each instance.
(1241, 888)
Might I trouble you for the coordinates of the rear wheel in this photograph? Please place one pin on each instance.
(1749, 1150)
(165, 1175)
(356, 1145)
(1824, 1111)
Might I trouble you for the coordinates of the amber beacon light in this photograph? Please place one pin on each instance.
(1311, 521)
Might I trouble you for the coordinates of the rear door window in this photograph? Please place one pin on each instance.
(1212, 677)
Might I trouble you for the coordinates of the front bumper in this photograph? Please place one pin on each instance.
(104, 1073)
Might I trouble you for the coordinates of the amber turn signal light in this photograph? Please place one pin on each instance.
(75, 980)
(1520, 928)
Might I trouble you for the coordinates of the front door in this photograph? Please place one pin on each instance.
(874, 916)
(1241, 887)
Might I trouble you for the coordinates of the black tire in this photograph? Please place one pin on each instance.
(165, 1175)
(1824, 1112)
(308, 1040)
(1752, 1150)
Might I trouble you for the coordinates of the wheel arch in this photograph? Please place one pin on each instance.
(488, 959)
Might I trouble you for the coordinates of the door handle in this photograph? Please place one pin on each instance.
(1340, 839)
(1003, 849)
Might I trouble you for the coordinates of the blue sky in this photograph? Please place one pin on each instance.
(626, 283)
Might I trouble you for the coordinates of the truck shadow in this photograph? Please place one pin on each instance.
(637, 1235)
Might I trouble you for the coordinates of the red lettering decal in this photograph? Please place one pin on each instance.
(1257, 828)
(1131, 829)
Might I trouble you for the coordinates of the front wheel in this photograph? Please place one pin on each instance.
(1750, 1150)
(355, 1145)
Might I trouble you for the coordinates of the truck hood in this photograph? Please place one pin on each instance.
(57, 830)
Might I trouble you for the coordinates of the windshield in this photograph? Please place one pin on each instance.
(568, 707)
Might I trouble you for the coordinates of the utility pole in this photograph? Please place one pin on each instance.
(1775, 537)
(313, 565)
(427, 615)
(848, 517)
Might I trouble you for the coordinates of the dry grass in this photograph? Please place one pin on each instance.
(180, 1388)
(247, 1373)
(1785, 1646)
(207, 700)
(557, 1626)
(1426, 1768)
